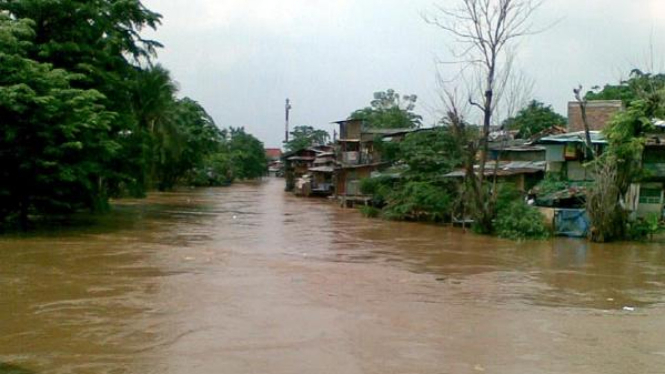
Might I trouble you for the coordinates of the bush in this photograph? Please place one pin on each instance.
(519, 221)
(369, 211)
(419, 201)
(379, 188)
(553, 182)
(645, 228)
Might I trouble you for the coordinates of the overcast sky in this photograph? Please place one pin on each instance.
(241, 58)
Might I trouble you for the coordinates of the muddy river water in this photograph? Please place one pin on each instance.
(248, 279)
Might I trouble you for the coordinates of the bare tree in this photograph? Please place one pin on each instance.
(582, 102)
(608, 218)
(484, 31)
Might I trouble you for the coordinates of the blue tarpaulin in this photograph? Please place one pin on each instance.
(571, 222)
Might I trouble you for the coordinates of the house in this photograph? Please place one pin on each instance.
(565, 154)
(297, 164)
(515, 150)
(321, 174)
(357, 156)
(275, 164)
(648, 196)
(523, 174)
(273, 154)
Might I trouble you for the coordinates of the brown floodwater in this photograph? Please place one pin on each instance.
(249, 279)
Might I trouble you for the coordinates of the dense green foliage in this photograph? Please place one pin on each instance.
(419, 201)
(238, 155)
(645, 229)
(519, 221)
(515, 219)
(306, 136)
(638, 85)
(85, 115)
(430, 153)
(534, 118)
(620, 164)
(248, 158)
(389, 110)
(419, 193)
(54, 139)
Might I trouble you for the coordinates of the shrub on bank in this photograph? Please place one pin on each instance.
(418, 201)
(369, 211)
(645, 228)
(519, 221)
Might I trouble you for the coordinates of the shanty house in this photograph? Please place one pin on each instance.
(566, 154)
(297, 164)
(648, 196)
(321, 174)
(522, 174)
(357, 156)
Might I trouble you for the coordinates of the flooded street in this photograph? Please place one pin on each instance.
(249, 279)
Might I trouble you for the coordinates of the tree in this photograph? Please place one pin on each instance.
(247, 155)
(534, 118)
(305, 137)
(389, 110)
(194, 138)
(637, 86)
(100, 41)
(430, 154)
(621, 163)
(54, 139)
(485, 30)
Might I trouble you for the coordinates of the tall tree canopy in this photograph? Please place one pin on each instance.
(248, 157)
(85, 115)
(534, 118)
(54, 139)
(639, 85)
(389, 110)
(306, 136)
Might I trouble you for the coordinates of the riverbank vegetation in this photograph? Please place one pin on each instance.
(622, 163)
(86, 115)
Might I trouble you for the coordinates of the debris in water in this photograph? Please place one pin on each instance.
(478, 368)
(610, 299)
(234, 216)
(629, 308)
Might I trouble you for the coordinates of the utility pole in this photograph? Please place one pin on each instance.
(287, 108)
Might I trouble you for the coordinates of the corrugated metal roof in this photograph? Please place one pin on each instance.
(505, 168)
(322, 169)
(573, 137)
(301, 158)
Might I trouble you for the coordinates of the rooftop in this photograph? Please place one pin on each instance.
(573, 137)
(505, 168)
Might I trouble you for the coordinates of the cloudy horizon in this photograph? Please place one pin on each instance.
(242, 58)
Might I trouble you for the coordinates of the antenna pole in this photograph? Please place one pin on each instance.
(287, 108)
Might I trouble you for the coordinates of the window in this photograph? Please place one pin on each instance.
(650, 195)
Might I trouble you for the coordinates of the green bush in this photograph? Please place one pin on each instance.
(553, 182)
(645, 228)
(369, 211)
(419, 201)
(519, 221)
(379, 188)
